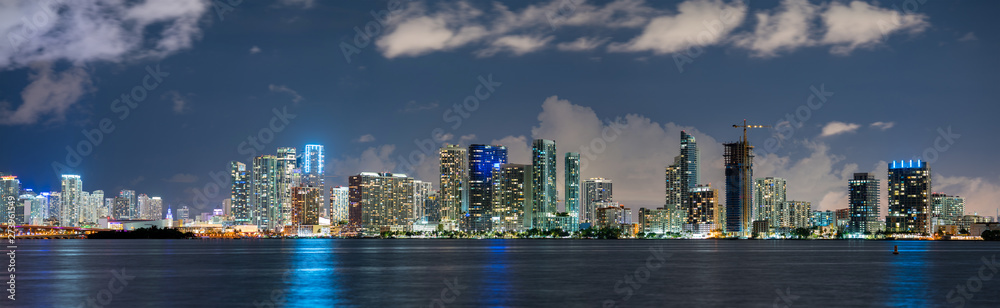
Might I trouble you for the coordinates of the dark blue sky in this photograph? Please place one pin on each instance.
(936, 70)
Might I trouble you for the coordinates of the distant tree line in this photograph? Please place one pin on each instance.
(142, 233)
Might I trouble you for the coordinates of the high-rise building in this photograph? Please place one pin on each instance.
(595, 192)
(799, 214)
(184, 213)
(339, 202)
(121, 208)
(305, 206)
(144, 210)
(22, 207)
(947, 209)
(704, 212)
(39, 206)
(676, 192)
(99, 206)
(265, 203)
(909, 187)
(689, 161)
(155, 208)
(432, 209)
(239, 197)
(511, 196)
(454, 185)
(483, 161)
(614, 216)
(83, 210)
(55, 202)
(864, 207)
(421, 190)
(313, 162)
(543, 182)
(572, 188)
(70, 200)
(769, 201)
(381, 202)
(10, 192)
(654, 220)
(739, 186)
(132, 211)
(287, 177)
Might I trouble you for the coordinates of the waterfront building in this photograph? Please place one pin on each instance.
(864, 204)
(454, 185)
(380, 202)
(511, 197)
(543, 182)
(483, 161)
(909, 189)
(572, 190)
(595, 191)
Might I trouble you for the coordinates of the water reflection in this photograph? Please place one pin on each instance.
(497, 275)
(908, 275)
(313, 280)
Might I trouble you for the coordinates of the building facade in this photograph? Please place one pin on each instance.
(543, 182)
(909, 189)
(239, 197)
(595, 192)
(739, 198)
(511, 197)
(483, 161)
(265, 201)
(571, 185)
(454, 195)
(864, 204)
(381, 202)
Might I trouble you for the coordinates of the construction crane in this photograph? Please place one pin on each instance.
(745, 126)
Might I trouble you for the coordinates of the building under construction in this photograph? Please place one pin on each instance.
(739, 184)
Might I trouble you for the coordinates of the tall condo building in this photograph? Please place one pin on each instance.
(266, 207)
(572, 188)
(454, 197)
(421, 190)
(909, 186)
(381, 202)
(739, 186)
(132, 211)
(97, 201)
(287, 179)
(863, 196)
(239, 198)
(704, 213)
(597, 193)
(338, 204)
(144, 210)
(483, 161)
(10, 191)
(947, 209)
(305, 206)
(121, 208)
(155, 208)
(72, 186)
(543, 182)
(312, 166)
(512, 194)
(769, 201)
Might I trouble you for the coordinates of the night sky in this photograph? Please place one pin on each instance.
(892, 82)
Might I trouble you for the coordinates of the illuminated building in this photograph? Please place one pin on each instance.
(572, 188)
(769, 202)
(483, 161)
(132, 205)
(421, 190)
(338, 204)
(305, 206)
(739, 198)
(543, 182)
(10, 191)
(266, 207)
(287, 178)
(70, 200)
(909, 188)
(313, 162)
(948, 209)
(454, 185)
(595, 192)
(239, 197)
(704, 212)
(864, 205)
(511, 197)
(381, 202)
(613, 216)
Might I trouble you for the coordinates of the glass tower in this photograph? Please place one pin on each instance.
(909, 197)
(266, 209)
(572, 188)
(543, 182)
(239, 198)
(483, 161)
(454, 185)
(863, 194)
(72, 186)
(739, 174)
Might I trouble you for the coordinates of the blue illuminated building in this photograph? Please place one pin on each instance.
(483, 161)
(909, 185)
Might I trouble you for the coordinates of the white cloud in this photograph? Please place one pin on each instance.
(283, 89)
(980, 194)
(583, 44)
(84, 31)
(861, 25)
(688, 28)
(365, 138)
(968, 37)
(179, 101)
(254, 50)
(518, 149)
(515, 44)
(465, 139)
(373, 159)
(785, 30)
(883, 125)
(837, 128)
(49, 94)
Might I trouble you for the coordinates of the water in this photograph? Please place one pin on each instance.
(518, 273)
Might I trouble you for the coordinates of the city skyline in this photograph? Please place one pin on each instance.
(850, 126)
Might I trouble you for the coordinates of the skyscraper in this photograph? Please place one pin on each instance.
(305, 206)
(596, 192)
(947, 209)
(155, 208)
(313, 162)
(543, 182)
(338, 204)
(10, 192)
(239, 198)
(132, 204)
(511, 196)
(704, 212)
(572, 188)
(70, 200)
(286, 162)
(381, 202)
(909, 187)
(454, 185)
(483, 161)
(266, 209)
(689, 161)
(421, 190)
(863, 195)
(769, 198)
(98, 203)
(739, 180)
(144, 209)
(674, 209)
